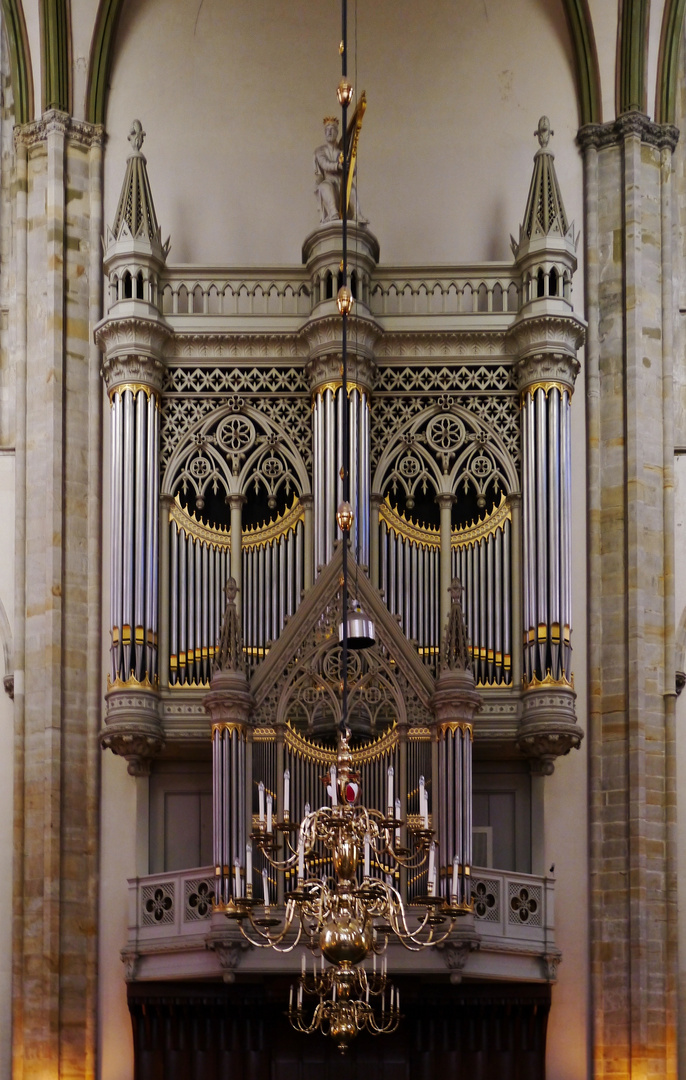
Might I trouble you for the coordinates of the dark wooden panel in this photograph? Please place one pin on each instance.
(209, 1031)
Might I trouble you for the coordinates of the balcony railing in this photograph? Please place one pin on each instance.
(173, 933)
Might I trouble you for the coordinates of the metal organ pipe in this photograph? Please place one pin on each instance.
(228, 806)
(546, 528)
(134, 521)
(455, 810)
(116, 583)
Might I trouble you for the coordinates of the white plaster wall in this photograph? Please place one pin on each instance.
(118, 814)
(6, 767)
(231, 94)
(455, 92)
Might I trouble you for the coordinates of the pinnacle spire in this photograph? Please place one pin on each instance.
(456, 647)
(135, 215)
(545, 213)
(229, 655)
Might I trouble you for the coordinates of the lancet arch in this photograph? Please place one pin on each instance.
(232, 449)
(444, 447)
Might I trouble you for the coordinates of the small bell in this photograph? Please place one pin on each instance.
(361, 633)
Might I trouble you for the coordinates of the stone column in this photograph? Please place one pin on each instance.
(307, 501)
(455, 704)
(631, 761)
(58, 174)
(375, 502)
(236, 502)
(228, 705)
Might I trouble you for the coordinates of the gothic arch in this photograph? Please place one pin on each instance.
(241, 453)
(445, 474)
(668, 61)
(632, 56)
(100, 60)
(20, 60)
(56, 47)
(585, 60)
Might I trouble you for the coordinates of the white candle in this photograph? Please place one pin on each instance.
(423, 803)
(335, 988)
(302, 966)
(397, 1002)
(301, 857)
(453, 891)
(366, 855)
(432, 860)
(374, 963)
(261, 801)
(237, 878)
(397, 818)
(390, 790)
(290, 999)
(334, 792)
(265, 888)
(300, 995)
(248, 866)
(269, 813)
(286, 794)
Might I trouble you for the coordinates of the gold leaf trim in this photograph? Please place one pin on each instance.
(215, 535)
(546, 386)
(132, 683)
(334, 386)
(535, 682)
(322, 755)
(426, 536)
(267, 534)
(479, 530)
(228, 725)
(456, 725)
(135, 389)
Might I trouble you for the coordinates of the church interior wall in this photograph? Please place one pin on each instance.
(231, 94)
(231, 99)
(454, 97)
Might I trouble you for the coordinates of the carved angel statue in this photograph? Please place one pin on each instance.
(328, 172)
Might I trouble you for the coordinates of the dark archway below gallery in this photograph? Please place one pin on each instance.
(239, 1031)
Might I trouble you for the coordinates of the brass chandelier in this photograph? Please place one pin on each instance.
(347, 917)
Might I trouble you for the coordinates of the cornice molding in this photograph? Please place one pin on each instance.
(272, 347)
(421, 344)
(600, 136)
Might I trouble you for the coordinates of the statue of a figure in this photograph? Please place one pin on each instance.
(328, 172)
